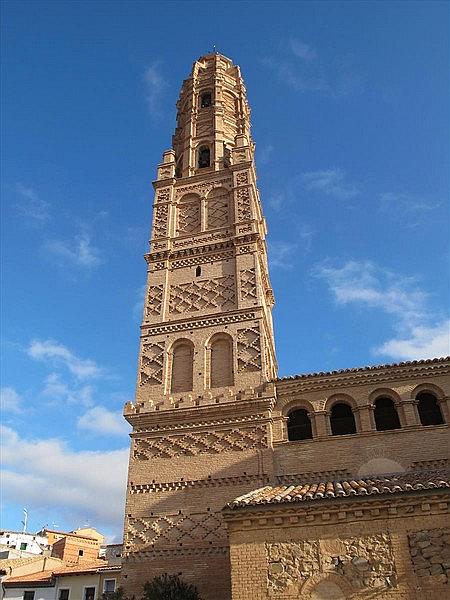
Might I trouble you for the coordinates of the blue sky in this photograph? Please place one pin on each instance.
(350, 117)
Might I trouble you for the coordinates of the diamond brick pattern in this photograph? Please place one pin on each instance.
(176, 529)
(192, 444)
(189, 218)
(248, 284)
(249, 349)
(218, 212)
(152, 361)
(202, 295)
(154, 301)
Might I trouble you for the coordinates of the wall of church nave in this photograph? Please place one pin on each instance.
(207, 569)
(276, 557)
(364, 454)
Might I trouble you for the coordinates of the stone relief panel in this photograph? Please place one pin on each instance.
(177, 529)
(247, 284)
(152, 361)
(202, 295)
(249, 349)
(365, 563)
(154, 301)
(430, 553)
(194, 443)
(160, 221)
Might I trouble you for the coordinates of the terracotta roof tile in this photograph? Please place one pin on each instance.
(377, 484)
(410, 363)
(41, 576)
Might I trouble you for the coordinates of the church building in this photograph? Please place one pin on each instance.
(327, 485)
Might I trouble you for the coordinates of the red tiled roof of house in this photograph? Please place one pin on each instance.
(328, 490)
(97, 566)
(40, 577)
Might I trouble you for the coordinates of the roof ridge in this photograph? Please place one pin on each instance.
(423, 361)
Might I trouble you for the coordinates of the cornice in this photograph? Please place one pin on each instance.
(340, 510)
(247, 409)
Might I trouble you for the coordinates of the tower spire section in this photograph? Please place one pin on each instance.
(207, 363)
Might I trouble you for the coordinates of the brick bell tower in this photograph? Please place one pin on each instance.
(201, 418)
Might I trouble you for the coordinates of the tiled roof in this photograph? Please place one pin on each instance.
(328, 490)
(410, 363)
(41, 576)
(97, 566)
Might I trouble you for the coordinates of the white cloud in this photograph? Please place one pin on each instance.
(10, 401)
(303, 51)
(155, 85)
(80, 253)
(31, 205)
(281, 255)
(57, 390)
(100, 420)
(331, 182)
(55, 353)
(419, 333)
(300, 67)
(138, 306)
(423, 342)
(406, 208)
(46, 474)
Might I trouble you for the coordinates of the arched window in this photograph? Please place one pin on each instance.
(342, 419)
(182, 367)
(429, 410)
(205, 100)
(221, 361)
(299, 425)
(204, 157)
(385, 413)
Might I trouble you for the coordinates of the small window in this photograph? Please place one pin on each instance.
(198, 271)
(204, 157)
(80, 552)
(299, 425)
(63, 594)
(109, 586)
(342, 419)
(28, 595)
(23, 546)
(386, 416)
(205, 100)
(429, 410)
(89, 593)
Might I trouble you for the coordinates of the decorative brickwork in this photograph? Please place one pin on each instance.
(160, 221)
(174, 529)
(154, 301)
(218, 209)
(192, 444)
(189, 216)
(202, 295)
(249, 349)
(152, 360)
(248, 284)
(243, 205)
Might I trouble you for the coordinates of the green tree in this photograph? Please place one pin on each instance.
(169, 587)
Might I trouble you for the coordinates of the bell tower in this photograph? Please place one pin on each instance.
(201, 417)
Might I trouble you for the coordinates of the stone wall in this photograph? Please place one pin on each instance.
(430, 553)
